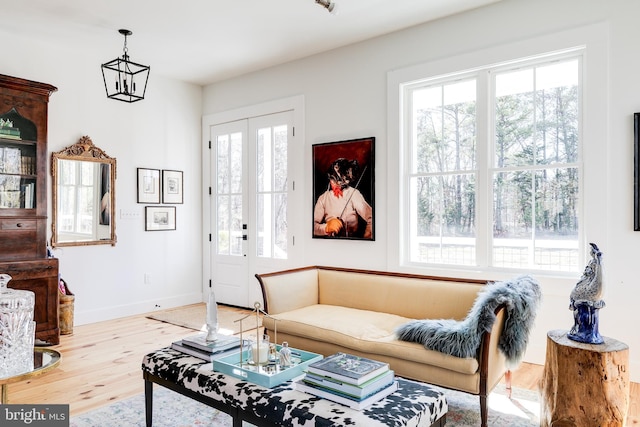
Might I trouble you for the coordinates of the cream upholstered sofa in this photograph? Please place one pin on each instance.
(327, 310)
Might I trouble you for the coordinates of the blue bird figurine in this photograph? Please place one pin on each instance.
(586, 300)
(589, 287)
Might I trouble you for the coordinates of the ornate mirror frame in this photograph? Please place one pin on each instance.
(84, 151)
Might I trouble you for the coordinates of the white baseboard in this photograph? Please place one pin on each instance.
(124, 310)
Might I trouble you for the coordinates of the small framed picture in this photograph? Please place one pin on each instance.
(159, 218)
(148, 185)
(172, 187)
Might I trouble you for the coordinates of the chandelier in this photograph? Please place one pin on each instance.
(125, 80)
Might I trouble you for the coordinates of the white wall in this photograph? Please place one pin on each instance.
(346, 97)
(160, 132)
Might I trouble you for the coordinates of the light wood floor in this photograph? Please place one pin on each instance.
(101, 364)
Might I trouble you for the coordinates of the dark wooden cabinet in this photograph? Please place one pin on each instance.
(41, 278)
(23, 198)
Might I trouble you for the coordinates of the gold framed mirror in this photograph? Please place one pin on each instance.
(83, 196)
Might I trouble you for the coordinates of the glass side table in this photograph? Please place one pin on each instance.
(44, 359)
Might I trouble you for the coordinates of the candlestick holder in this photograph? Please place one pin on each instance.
(247, 357)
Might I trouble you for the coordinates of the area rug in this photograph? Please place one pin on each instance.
(194, 317)
(171, 409)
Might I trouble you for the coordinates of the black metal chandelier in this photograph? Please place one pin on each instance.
(125, 80)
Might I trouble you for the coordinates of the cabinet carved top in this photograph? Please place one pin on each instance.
(30, 86)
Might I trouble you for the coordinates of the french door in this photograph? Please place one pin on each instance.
(250, 196)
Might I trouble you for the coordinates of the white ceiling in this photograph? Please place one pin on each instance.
(204, 41)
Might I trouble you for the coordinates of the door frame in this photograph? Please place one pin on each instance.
(294, 104)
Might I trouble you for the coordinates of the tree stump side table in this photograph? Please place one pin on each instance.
(584, 384)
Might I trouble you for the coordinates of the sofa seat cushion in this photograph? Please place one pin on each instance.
(365, 331)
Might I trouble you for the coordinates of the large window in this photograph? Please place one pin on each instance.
(491, 166)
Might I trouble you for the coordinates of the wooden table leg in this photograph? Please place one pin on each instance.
(148, 402)
(4, 400)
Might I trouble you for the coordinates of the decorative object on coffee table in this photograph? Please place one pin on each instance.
(257, 311)
(285, 355)
(212, 317)
(585, 301)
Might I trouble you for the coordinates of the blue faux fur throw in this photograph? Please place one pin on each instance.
(521, 295)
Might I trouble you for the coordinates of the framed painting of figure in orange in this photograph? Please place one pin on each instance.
(343, 189)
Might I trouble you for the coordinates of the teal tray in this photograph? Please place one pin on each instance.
(269, 375)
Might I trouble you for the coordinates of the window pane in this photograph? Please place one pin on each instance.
(235, 163)
(264, 159)
(444, 127)
(87, 172)
(427, 128)
(280, 158)
(536, 219)
(443, 219)
(85, 215)
(229, 167)
(263, 212)
(229, 226)
(223, 246)
(280, 231)
(556, 220)
(222, 153)
(557, 113)
(67, 174)
(272, 186)
(67, 207)
(514, 118)
(272, 225)
(235, 232)
(537, 115)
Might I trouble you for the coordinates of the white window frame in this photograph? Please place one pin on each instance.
(593, 40)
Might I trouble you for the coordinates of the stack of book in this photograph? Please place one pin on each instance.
(356, 382)
(198, 346)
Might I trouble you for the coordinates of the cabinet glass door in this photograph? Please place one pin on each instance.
(18, 167)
